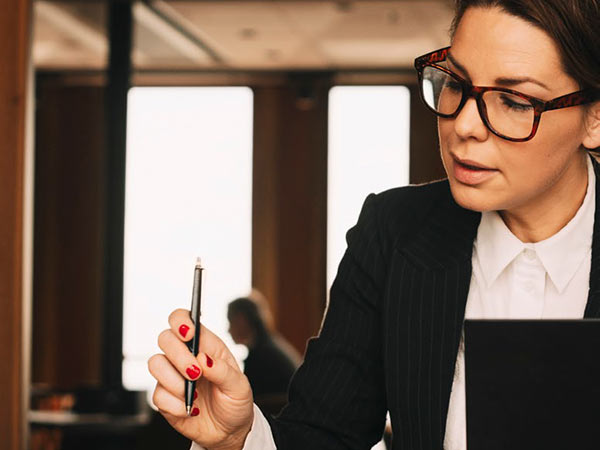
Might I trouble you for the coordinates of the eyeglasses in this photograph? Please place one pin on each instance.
(508, 114)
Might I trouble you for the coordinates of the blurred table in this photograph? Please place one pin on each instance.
(97, 431)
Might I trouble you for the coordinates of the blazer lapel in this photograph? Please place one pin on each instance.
(433, 273)
(592, 309)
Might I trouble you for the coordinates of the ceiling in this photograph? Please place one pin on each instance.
(245, 35)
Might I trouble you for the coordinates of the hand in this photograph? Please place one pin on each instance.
(222, 413)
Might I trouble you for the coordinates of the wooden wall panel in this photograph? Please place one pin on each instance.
(265, 242)
(14, 188)
(290, 204)
(67, 295)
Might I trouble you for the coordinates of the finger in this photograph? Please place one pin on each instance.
(181, 324)
(168, 403)
(166, 375)
(211, 344)
(228, 379)
(179, 355)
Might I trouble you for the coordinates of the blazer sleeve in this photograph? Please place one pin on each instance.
(336, 397)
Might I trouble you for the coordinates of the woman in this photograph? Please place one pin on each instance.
(271, 360)
(521, 189)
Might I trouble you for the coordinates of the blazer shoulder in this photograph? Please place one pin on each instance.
(417, 197)
(402, 211)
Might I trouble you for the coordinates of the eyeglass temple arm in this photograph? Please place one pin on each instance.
(573, 99)
(432, 58)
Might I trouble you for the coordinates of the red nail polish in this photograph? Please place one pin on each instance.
(209, 362)
(183, 329)
(193, 371)
(195, 395)
(195, 412)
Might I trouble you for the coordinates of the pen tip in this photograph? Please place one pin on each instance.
(198, 262)
(188, 410)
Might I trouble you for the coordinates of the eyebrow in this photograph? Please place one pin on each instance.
(501, 81)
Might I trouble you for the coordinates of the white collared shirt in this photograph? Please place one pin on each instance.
(515, 280)
(510, 279)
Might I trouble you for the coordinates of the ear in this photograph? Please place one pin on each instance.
(592, 127)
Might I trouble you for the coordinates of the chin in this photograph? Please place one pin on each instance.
(472, 198)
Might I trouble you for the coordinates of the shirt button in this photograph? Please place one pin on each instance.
(529, 254)
(529, 286)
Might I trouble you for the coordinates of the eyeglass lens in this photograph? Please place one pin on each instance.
(507, 114)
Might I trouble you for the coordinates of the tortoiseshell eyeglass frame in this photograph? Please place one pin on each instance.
(468, 90)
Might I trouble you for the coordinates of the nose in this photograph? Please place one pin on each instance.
(469, 124)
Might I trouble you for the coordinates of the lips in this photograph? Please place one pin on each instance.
(471, 164)
(471, 172)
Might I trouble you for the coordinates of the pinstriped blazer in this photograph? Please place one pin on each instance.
(390, 337)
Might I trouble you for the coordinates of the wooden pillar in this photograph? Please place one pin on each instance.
(15, 219)
(290, 203)
(69, 217)
(120, 25)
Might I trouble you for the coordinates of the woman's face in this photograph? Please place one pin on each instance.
(493, 48)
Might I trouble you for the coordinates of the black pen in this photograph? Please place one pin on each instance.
(194, 344)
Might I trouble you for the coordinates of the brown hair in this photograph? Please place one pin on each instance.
(573, 24)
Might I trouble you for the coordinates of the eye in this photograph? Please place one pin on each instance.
(452, 85)
(515, 103)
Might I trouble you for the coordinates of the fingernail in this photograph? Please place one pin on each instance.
(209, 362)
(195, 395)
(195, 412)
(183, 329)
(193, 371)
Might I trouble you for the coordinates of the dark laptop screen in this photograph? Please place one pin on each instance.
(532, 384)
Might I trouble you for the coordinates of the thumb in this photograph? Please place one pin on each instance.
(231, 381)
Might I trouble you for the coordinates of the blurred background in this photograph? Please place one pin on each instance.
(142, 134)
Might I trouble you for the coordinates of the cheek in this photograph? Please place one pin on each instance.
(554, 146)
(445, 133)
(563, 128)
(527, 168)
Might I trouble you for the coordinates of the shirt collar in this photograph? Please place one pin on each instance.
(560, 254)
(495, 245)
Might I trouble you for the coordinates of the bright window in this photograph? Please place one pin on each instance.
(368, 152)
(188, 194)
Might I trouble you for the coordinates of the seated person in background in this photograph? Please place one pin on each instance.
(271, 360)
